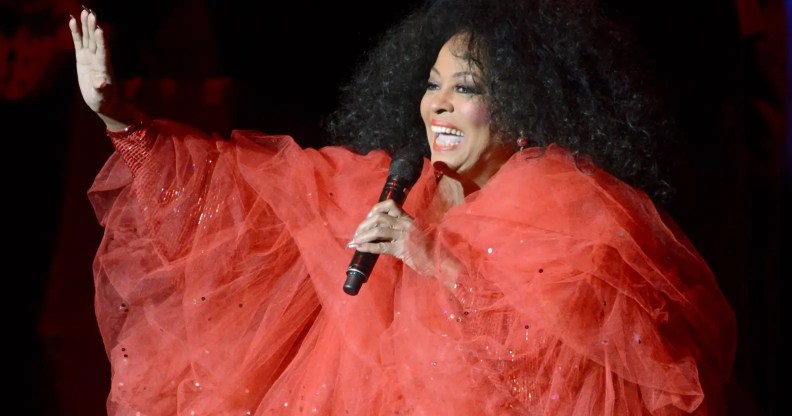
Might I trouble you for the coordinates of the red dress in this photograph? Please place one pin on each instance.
(554, 290)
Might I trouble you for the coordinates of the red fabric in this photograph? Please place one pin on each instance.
(554, 290)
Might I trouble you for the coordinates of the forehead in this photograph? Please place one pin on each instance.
(456, 53)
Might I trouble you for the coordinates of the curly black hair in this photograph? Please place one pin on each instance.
(553, 71)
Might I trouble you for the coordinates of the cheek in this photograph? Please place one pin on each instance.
(477, 113)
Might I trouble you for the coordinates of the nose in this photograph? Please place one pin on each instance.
(441, 102)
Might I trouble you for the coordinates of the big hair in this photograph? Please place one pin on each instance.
(553, 71)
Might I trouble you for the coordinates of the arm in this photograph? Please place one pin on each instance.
(172, 166)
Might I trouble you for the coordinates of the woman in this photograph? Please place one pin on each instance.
(528, 271)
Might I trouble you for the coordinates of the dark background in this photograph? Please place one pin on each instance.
(276, 68)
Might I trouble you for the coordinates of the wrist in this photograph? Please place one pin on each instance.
(127, 121)
(133, 140)
(119, 117)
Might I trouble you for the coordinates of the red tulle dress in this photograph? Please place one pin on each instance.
(554, 290)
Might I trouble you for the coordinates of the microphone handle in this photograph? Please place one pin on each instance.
(358, 271)
(394, 190)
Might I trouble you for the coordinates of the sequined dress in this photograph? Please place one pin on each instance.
(553, 290)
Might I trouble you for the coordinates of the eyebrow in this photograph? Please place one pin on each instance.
(456, 74)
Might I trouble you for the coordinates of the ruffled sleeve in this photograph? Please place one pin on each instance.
(219, 277)
(201, 293)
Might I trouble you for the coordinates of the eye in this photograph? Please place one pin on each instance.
(467, 89)
(432, 86)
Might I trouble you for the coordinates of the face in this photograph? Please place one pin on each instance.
(457, 119)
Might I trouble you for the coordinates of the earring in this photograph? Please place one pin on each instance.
(522, 143)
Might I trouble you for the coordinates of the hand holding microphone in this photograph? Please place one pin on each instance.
(386, 223)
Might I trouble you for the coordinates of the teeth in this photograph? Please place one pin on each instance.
(448, 140)
(447, 130)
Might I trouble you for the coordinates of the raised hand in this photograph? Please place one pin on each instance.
(94, 71)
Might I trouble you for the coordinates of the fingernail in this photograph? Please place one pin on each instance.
(351, 244)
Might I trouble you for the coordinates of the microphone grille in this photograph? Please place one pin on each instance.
(407, 164)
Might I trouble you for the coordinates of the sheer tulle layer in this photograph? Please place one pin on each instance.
(553, 290)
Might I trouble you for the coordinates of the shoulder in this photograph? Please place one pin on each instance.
(555, 171)
(554, 189)
(561, 172)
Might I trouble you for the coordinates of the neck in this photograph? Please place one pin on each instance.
(452, 191)
(462, 184)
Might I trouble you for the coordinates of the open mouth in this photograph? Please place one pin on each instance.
(446, 138)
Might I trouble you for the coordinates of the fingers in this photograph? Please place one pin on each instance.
(391, 248)
(99, 43)
(75, 34)
(100, 51)
(87, 33)
(388, 207)
(383, 231)
(84, 25)
(385, 215)
(90, 29)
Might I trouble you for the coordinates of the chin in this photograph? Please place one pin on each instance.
(439, 158)
(444, 165)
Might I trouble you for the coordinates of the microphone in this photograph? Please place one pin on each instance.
(404, 170)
